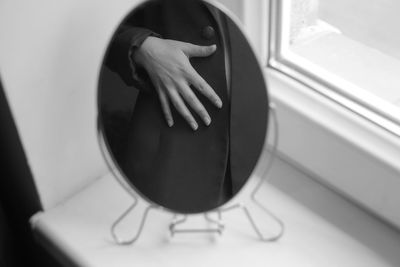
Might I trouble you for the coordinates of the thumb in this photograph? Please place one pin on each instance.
(192, 50)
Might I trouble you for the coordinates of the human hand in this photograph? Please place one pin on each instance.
(168, 66)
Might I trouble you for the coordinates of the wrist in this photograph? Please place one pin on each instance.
(140, 53)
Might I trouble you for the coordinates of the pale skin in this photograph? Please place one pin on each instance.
(167, 63)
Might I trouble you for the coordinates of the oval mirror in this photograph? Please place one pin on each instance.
(183, 105)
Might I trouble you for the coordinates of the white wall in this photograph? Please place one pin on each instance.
(50, 54)
(235, 6)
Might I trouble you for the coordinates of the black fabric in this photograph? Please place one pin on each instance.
(176, 167)
(18, 198)
(8, 247)
(250, 107)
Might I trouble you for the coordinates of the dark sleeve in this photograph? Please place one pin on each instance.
(123, 46)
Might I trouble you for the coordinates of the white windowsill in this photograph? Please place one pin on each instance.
(322, 229)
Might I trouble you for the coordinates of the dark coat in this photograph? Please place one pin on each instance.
(178, 168)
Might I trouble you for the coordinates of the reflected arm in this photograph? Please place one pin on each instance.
(119, 59)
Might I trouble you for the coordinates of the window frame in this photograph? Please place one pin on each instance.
(280, 59)
(318, 133)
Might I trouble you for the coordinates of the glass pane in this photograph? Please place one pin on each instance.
(353, 45)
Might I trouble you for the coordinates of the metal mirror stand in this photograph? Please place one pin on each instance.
(218, 225)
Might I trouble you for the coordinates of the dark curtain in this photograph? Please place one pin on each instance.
(18, 199)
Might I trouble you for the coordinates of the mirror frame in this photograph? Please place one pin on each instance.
(114, 166)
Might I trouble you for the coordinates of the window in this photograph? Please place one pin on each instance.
(347, 50)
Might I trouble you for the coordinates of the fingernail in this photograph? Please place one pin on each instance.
(207, 120)
(194, 126)
(218, 102)
(170, 123)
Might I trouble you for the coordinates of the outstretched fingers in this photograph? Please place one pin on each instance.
(165, 107)
(180, 106)
(172, 74)
(192, 100)
(203, 87)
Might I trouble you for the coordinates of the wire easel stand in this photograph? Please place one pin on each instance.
(218, 225)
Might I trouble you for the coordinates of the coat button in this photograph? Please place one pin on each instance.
(208, 32)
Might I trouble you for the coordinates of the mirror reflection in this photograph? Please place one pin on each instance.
(183, 105)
